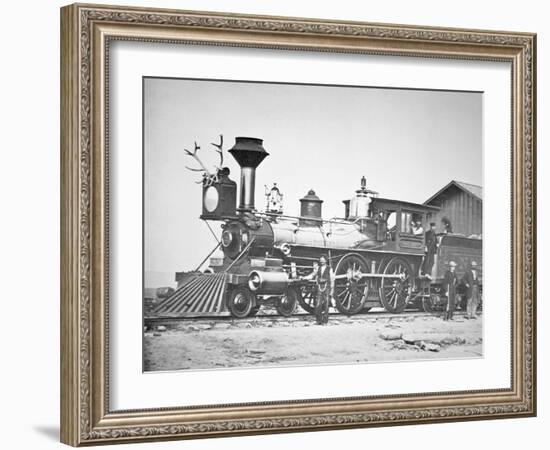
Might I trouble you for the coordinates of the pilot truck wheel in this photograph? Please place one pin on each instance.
(286, 305)
(241, 302)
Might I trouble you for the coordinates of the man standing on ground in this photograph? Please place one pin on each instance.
(471, 281)
(450, 281)
(325, 290)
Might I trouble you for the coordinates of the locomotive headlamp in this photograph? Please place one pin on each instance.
(211, 198)
(219, 197)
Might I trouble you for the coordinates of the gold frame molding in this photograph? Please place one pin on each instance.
(86, 31)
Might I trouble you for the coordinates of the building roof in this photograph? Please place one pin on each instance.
(476, 191)
(472, 189)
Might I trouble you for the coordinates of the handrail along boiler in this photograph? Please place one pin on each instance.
(375, 254)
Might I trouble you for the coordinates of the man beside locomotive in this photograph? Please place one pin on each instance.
(324, 281)
(471, 281)
(430, 248)
(450, 281)
(325, 290)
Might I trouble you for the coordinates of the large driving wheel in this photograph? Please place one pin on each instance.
(286, 305)
(396, 291)
(350, 287)
(307, 298)
(241, 302)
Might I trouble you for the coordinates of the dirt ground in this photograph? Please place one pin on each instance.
(265, 342)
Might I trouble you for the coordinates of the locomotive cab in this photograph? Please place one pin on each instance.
(396, 224)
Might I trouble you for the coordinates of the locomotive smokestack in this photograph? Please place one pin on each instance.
(249, 153)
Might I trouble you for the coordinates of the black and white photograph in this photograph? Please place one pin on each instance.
(298, 224)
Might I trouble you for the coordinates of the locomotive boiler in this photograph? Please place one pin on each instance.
(373, 248)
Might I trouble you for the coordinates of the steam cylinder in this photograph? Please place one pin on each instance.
(268, 282)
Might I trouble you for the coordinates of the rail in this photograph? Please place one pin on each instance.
(296, 316)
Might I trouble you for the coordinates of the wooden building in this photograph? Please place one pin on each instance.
(462, 205)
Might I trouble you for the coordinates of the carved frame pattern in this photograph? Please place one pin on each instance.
(85, 416)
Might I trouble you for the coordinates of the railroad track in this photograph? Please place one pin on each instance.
(295, 317)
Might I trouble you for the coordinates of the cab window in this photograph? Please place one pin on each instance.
(406, 222)
(391, 225)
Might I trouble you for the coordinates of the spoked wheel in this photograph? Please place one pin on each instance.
(307, 298)
(461, 298)
(396, 291)
(241, 302)
(287, 303)
(350, 291)
(433, 303)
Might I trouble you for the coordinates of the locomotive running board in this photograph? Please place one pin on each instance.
(371, 275)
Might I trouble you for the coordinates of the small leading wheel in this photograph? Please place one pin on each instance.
(241, 302)
(350, 287)
(286, 305)
(307, 298)
(395, 291)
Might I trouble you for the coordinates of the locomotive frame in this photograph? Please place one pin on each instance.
(87, 417)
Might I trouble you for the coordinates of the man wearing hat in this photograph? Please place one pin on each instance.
(450, 281)
(430, 248)
(417, 228)
(471, 281)
(324, 281)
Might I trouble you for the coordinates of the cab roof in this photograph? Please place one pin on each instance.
(388, 204)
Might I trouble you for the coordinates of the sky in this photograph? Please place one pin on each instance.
(407, 143)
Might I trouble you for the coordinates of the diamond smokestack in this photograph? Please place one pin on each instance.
(249, 153)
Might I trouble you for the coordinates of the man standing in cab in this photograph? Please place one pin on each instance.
(471, 281)
(450, 282)
(430, 249)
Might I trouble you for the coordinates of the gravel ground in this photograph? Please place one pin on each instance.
(208, 344)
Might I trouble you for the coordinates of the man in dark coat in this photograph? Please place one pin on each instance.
(471, 281)
(325, 290)
(450, 281)
(430, 249)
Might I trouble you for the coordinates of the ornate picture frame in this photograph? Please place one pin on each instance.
(86, 34)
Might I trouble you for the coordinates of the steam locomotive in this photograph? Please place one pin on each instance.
(374, 252)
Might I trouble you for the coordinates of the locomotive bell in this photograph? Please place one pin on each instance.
(249, 153)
